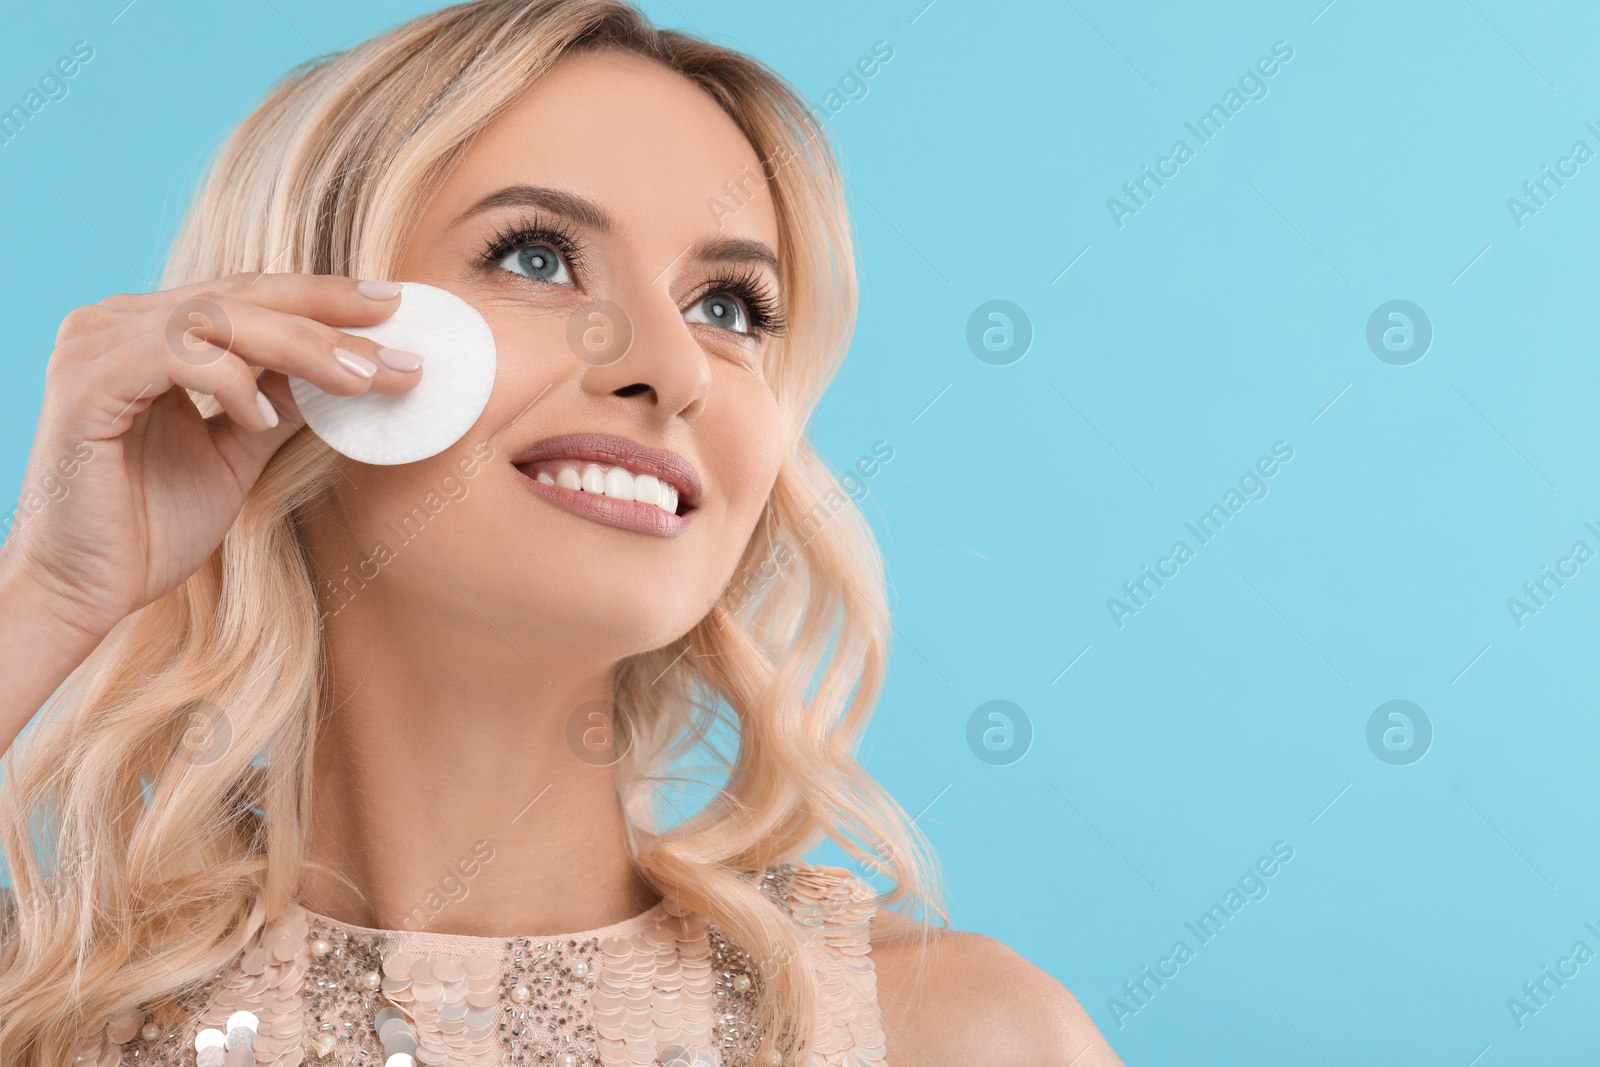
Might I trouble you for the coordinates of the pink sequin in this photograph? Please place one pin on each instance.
(658, 989)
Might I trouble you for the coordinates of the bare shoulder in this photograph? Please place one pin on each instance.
(952, 998)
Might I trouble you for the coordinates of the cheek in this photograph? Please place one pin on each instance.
(396, 504)
(531, 352)
(752, 439)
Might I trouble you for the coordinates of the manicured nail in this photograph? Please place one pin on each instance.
(378, 290)
(399, 359)
(354, 363)
(268, 412)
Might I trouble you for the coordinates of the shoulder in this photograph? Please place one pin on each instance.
(956, 998)
(945, 997)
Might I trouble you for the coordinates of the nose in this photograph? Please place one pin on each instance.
(663, 368)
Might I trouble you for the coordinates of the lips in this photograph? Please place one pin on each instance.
(613, 481)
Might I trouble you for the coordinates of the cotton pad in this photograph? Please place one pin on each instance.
(457, 348)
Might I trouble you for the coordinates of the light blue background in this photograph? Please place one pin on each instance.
(1228, 314)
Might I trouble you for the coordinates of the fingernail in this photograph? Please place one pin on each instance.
(268, 412)
(354, 363)
(398, 359)
(378, 290)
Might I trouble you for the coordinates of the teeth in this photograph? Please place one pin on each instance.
(619, 483)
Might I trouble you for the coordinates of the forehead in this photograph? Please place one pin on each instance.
(643, 141)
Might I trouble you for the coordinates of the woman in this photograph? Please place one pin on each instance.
(335, 739)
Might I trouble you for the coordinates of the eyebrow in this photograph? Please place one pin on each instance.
(561, 202)
(736, 250)
(587, 212)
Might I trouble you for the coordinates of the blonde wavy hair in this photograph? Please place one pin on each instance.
(138, 873)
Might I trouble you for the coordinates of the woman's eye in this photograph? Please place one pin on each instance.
(721, 309)
(539, 262)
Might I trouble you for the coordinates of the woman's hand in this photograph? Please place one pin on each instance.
(128, 488)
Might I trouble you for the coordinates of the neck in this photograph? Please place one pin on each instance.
(448, 797)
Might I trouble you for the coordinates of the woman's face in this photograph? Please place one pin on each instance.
(583, 215)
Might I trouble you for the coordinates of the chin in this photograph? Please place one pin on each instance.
(576, 601)
(612, 637)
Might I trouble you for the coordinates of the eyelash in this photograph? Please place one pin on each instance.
(749, 284)
(530, 232)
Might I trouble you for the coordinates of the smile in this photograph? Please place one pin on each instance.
(618, 483)
(613, 481)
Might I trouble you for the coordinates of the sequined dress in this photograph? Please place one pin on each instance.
(657, 989)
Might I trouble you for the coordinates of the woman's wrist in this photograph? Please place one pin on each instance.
(40, 645)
